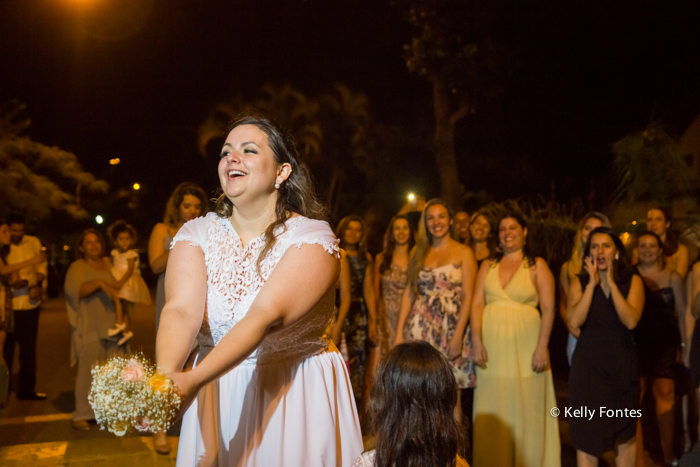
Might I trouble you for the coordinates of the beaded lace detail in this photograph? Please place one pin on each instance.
(233, 282)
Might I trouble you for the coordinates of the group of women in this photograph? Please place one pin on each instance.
(268, 386)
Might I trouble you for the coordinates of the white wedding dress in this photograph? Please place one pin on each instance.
(290, 403)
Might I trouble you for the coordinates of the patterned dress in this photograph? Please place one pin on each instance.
(434, 317)
(355, 326)
(393, 284)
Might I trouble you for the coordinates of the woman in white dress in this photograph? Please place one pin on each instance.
(253, 283)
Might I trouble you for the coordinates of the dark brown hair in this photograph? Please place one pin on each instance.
(497, 254)
(391, 242)
(295, 195)
(411, 409)
(622, 271)
(119, 227)
(340, 233)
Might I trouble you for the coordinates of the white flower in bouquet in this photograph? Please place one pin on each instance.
(131, 394)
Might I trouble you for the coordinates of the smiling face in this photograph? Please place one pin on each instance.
(91, 246)
(657, 222)
(462, 224)
(649, 250)
(437, 221)
(4, 234)
(592, 223)
(248, 169)
(511, 235)
(353, 233)
(480, 229)
(190, 208)
(602, 250)
(401, 231)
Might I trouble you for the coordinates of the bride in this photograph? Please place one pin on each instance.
(254, 284)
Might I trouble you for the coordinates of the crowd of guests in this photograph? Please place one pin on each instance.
(468, 286)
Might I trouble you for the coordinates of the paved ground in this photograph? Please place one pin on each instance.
(39, 433)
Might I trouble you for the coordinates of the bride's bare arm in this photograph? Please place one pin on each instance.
(298, 282)
(185, 290)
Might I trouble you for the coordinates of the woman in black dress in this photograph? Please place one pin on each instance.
(658, 336)
(606, 305)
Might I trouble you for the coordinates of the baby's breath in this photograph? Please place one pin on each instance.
(123, 406)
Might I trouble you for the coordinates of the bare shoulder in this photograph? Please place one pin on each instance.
(159, 229)
(676, 279)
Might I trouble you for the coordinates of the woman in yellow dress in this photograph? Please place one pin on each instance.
(512, 402)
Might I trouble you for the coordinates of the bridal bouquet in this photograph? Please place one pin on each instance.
(130, 394)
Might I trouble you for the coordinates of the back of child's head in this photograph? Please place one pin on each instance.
(119, 227)
(411, 409)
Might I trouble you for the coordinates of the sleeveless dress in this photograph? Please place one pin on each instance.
(603, 374)
(290, 403)
(434, 315)
(512, 423)
(160, 287)
(657, 334)
(355, 327)
(134, 289)
(393, 284)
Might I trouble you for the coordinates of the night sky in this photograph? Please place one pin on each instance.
(135, 79)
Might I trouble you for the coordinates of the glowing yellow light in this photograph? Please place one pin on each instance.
(99, 219)
(634, 222)
(137, 186)
(114, 161)
(411, 196)
(66, 247)
(625, 237)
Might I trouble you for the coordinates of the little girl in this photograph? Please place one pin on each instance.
(127, 271)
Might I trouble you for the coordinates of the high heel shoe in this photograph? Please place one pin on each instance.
(113, 331)
(125, 337)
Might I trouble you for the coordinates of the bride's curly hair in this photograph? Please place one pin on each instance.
(296, 194)
(411, 409)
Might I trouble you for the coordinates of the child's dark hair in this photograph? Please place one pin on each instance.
(120, 227)
(411, 409)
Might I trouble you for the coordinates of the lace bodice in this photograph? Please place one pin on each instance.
(233, 283)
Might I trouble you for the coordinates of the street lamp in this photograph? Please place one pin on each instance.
(137, 186)
(114, 161)
(99, 219)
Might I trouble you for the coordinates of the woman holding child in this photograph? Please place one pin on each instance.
(91, 302)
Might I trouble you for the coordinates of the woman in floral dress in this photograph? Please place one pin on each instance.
(436, 302)
(390, 277)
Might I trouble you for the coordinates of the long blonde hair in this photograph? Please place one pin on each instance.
(424, 242)
(576, 260)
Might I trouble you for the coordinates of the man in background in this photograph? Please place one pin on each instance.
(26, 303)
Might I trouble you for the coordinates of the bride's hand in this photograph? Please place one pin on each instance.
(188, 388)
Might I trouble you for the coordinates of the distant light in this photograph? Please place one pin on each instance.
(634, 222)
(99, 219)
(114, 161)
(66, 247)
(137, 186)
(411, 196)
(625, 237)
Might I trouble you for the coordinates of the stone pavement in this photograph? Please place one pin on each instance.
(110, 452)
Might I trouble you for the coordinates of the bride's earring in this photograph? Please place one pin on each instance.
(277, 186)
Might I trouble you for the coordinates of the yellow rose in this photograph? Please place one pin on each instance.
(160, 382)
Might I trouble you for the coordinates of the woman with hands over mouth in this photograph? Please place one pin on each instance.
(512, 425)
(254, 284)
(605, 305)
